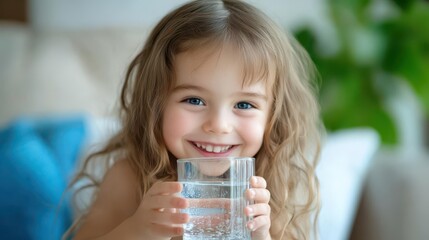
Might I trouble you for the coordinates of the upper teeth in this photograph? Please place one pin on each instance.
(211, 148)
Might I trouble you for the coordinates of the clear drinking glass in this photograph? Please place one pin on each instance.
(215, 190)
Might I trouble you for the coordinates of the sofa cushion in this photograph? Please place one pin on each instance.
(37, 158)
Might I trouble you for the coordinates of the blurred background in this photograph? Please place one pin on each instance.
(62, 64)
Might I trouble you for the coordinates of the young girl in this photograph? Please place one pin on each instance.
(214, 78)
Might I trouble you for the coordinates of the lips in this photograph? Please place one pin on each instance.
(212, 148)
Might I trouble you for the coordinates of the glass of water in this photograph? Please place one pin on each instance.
(215, 190)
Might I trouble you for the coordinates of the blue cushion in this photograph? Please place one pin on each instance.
(37, 158)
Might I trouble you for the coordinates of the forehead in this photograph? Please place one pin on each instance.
(245, 64)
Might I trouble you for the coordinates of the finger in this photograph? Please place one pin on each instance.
(259, 223)
(209, 203)
(168, 218)
(171, 210)
(163, 188)
(258, 182)
(166, 231)
(164, 202)
(258, 210)
(210, 220)
(260, 195)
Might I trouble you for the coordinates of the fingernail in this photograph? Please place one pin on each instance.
(250, 211)
(185, 218)
(250, 226)
(252, 193)
(255, 180)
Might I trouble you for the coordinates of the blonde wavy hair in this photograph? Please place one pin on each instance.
(290, 149)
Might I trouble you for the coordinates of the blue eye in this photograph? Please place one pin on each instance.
(244, 105)
(194, 101)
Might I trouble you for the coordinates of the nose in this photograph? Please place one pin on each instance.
(218, 122)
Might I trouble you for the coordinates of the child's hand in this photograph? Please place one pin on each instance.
(158, 216)
(260, 210)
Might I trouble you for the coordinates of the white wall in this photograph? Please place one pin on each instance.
(95, 14)
(84, 14)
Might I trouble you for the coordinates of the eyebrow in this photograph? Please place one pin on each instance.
(184, 87)
(189, 87)
(255, 95)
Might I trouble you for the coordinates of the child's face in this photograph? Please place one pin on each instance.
(210, 113)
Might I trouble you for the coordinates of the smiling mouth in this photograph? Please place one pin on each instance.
(213, 148)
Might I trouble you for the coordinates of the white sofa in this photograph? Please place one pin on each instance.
(45, 73)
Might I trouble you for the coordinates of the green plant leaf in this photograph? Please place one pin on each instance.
(407, 54)
(351, 95)
(405, 4)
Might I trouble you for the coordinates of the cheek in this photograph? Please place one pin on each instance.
(252, 131)
(176, 124)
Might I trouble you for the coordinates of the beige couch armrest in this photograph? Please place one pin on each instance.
(395, 199)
